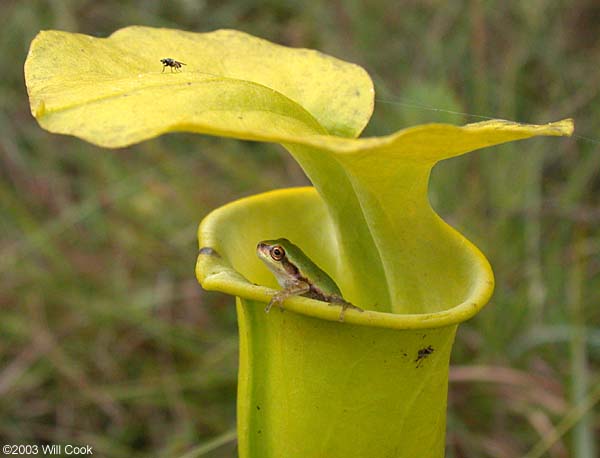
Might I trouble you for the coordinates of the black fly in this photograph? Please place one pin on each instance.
(422, 354)
(168, 62)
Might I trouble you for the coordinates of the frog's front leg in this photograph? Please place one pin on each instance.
(295, 289)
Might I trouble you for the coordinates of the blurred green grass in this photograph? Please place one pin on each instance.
(105, 336)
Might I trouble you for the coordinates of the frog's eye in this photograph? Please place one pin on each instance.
(277, 252)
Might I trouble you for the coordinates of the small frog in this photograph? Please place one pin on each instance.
(298, 275)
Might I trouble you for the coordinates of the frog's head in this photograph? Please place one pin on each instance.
(274, 253)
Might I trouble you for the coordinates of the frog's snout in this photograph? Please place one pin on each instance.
(262, 248)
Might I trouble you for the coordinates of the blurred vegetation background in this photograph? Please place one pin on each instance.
(107, 339)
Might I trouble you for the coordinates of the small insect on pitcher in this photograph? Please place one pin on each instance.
(174, 64)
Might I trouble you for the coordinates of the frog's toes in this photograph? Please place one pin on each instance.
(275, 300)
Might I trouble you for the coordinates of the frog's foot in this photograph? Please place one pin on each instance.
(295, 290)
(345, 305)
(275, 300)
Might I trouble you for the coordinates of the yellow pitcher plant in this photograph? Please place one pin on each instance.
(310, 386)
